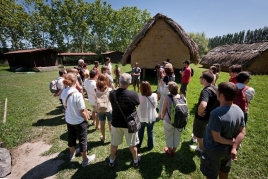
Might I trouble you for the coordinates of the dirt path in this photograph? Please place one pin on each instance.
(27, 162)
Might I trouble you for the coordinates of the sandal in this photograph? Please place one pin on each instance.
(167, 152)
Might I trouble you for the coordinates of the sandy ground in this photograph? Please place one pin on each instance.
(27, 162)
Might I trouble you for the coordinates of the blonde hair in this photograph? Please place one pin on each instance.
(70, 79)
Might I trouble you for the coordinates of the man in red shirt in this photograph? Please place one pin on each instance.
(233, 71)
(186, 76)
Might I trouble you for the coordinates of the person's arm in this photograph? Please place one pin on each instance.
(237, 141)
(201, 108)
(218, 138)
(85, 114)
(164, 108)
(59, 93)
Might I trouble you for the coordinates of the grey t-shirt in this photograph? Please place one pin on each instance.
(136, 70)
(227, 120)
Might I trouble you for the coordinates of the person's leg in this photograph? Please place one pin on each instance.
(141, 133)
(71, 138)
(134, 84)
(200, 143)
(150, 133)
(134, 152)
(102, 118)
(168, 131)
(116, 139)
(109, 117)
(223, 175)
(132, 140)
(176, 139)
(246, 118)
(113, 150)
(102, 129)
(82, 137)
(138, 85)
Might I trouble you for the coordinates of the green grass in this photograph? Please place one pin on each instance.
(34, 114)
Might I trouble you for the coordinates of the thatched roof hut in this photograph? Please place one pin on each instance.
(160, 39)
(253, 57)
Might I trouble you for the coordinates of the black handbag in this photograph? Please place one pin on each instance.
(132, 120)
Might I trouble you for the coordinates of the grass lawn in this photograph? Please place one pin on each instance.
(34, 114)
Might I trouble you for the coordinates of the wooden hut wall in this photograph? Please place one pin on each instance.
(160, 43)
(21, 60)
(29, 60)
(115, 56)
(259, 64)
(45, 58)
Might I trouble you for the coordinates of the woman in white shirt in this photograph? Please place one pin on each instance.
(76, 116)
(147, 113)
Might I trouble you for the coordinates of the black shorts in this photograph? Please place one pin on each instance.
(78, 131)
(213, 161)
(183, 88)
(136, 82)
(199, 127)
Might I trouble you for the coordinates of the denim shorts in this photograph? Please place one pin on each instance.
(102, 116)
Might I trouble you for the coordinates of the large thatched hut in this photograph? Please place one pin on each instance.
(253, 57)
(160, 39)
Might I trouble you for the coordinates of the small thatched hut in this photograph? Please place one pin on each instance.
(253, 57)
(115, 56)
(160, 39)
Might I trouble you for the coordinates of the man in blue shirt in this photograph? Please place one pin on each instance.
(224, 133)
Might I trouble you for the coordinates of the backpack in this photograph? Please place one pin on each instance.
(241, 100)
(53, 86)
(192, 72)
(179, 112)
(102, 102)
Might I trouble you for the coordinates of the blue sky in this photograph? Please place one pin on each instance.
(214, 17)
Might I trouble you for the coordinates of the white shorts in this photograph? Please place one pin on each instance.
(117, 134)
(172, 135)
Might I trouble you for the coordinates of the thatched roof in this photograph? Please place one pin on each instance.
(227, 55)
(193, 47)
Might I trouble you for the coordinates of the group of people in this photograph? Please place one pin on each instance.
(218, 127)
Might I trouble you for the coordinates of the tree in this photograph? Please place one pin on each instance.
(202, 42)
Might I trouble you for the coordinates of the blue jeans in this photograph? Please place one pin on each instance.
(150, 133)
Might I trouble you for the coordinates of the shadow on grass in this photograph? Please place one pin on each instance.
(101, 169)
(55, 121)
(56, 111)
(193, 110)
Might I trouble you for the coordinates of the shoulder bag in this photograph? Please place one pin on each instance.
(132, 120)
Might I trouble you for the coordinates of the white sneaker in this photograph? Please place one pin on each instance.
(77, 151)
(90, 158)
(194, 139)
(195, 147)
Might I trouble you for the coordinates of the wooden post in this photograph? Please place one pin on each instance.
(5, 112)
(144, 69)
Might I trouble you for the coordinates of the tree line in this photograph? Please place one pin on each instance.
(257, 35)
(68, 25)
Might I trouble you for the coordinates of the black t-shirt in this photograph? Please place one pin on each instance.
(81, 72)
(167, 79)
(210, 97)
(128, 100)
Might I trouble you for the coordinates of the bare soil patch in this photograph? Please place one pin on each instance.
(27, 161)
